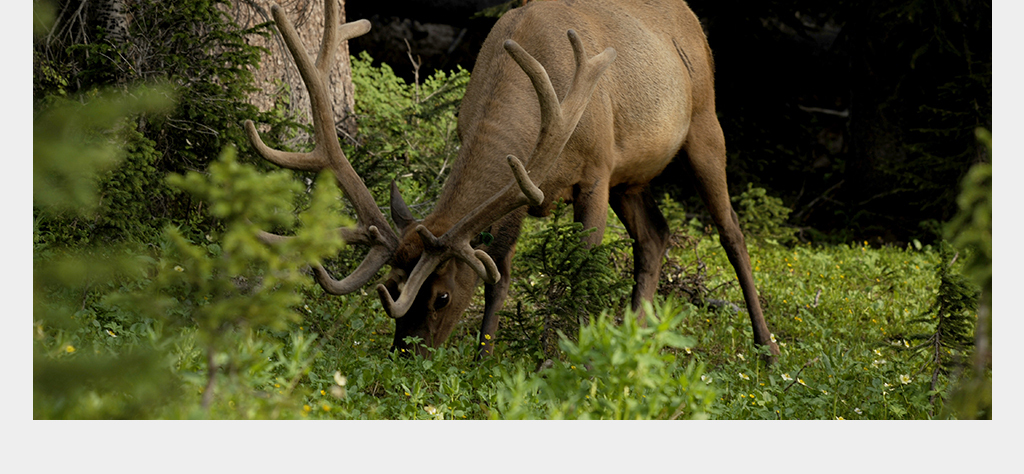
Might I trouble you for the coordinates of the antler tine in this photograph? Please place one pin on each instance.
(435, 252)
(290, 160)
(312, 75)
(585, 79)
(358, 235)
(533, 193)
(551, 111)
(559, 119)
(373, 228)
(376, 258)
(424, 267)
(334, 36)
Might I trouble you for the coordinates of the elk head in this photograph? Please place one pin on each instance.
(433, 278)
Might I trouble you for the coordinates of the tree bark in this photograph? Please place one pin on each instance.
(308, 16)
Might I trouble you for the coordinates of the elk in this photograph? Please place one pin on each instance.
(541, 121)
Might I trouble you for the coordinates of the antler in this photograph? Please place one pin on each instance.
(372, 229)
(558, 121)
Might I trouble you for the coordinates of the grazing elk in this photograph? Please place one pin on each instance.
(541, 121)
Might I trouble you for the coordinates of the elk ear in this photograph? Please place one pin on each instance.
(400, 212)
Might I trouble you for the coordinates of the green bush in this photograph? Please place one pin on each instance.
(763, 217)
(614, 371)
(406, 131)
(559, 283)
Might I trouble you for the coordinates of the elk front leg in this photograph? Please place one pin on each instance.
(590, 207)
(501, 250)
(705, 147)
(647, 227)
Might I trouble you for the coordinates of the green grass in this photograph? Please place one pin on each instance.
(845, 318)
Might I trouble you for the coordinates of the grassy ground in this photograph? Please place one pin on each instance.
(851, 321)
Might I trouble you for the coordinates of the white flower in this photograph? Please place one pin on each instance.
(786, 377)
(339, 379)
(772, 337)
(878, 362)
(740, 356)
(744, 376)
(178, 268)
(857, 410)
(705, 378)
(905, 379)
(878, 353)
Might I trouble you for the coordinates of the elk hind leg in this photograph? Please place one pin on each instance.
(705, 149)
(647, 227)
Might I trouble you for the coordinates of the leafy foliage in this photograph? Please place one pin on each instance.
(971, 231)
(205, 62)
(77, 354)
(406, 130)
(763, 216)
(614, 371)
(96, 134)
(563, 282)
(971, 228)
(234, 279)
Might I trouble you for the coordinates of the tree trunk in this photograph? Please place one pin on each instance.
(308, 17)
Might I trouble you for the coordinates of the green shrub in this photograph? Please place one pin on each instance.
(614, 371)
(971, 231)
(89, 360)
(559, 283)
(763, 217)
(406, 131)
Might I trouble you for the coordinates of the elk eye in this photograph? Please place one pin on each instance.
(441, 301)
